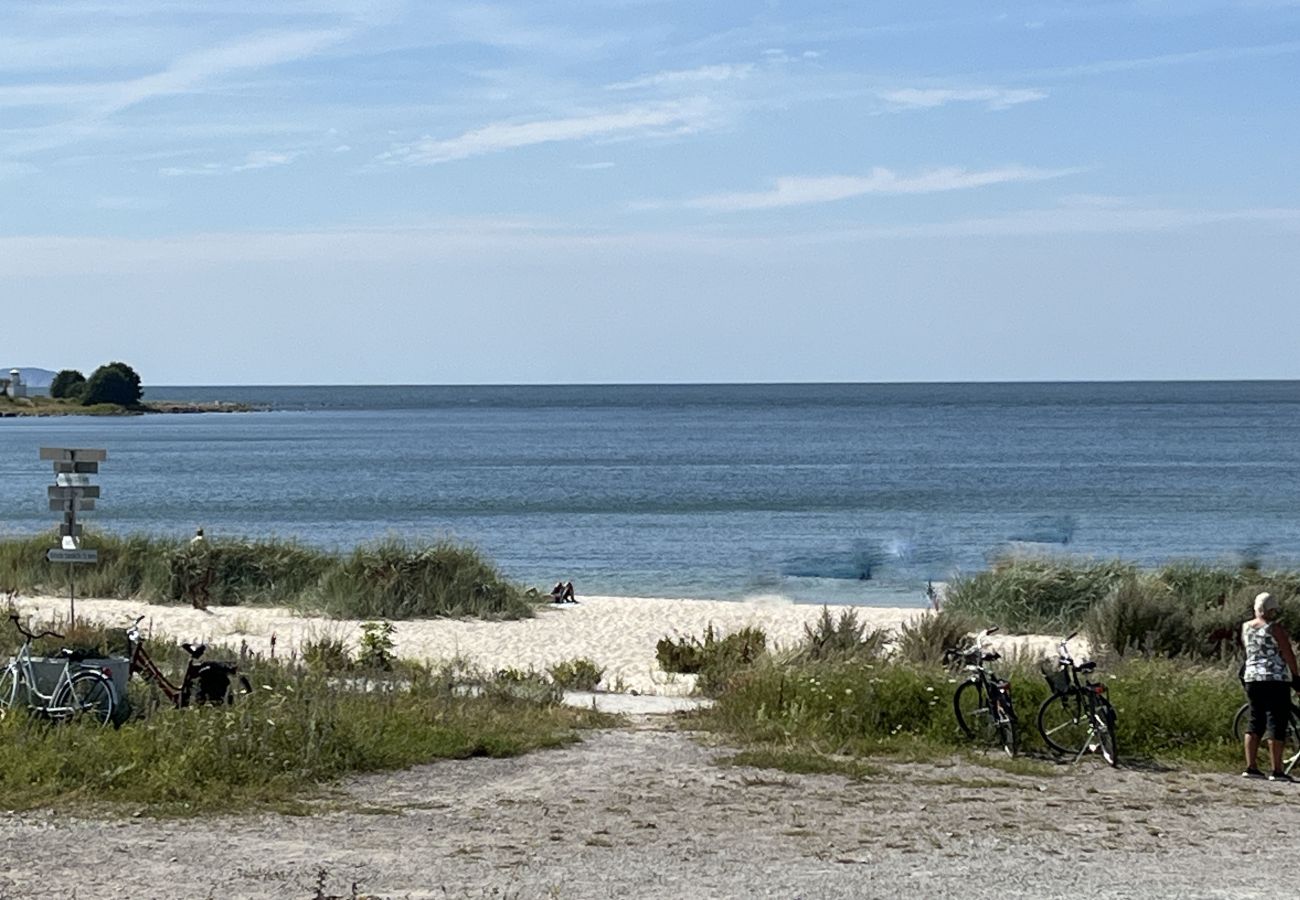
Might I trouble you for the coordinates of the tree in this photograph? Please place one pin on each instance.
(67, 383)
(114, 382)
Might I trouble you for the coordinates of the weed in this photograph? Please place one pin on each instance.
(576, 674)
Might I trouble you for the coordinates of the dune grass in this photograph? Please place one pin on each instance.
(391, 578)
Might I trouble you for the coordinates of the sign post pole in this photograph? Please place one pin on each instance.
(71, 493)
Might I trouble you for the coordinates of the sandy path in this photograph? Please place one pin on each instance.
(643, 812)
(617, 633)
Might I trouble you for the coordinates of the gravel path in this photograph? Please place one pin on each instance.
(643, 812)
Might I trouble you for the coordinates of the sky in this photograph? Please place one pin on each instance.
(593, 191)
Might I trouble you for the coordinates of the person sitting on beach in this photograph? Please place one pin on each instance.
(567, 596)
(563, 593)
(1269, 673)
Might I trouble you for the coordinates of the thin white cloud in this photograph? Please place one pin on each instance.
(722, 72)
(931, 98)
(805, 191)
(192, 71)
(257, 159)
(593, 166)
(682, 117)
(1211, 55)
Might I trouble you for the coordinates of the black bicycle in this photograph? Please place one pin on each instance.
(1077, 718)
(1290, 747)
(982, 703)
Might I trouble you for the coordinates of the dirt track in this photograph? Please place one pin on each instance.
(644, 812)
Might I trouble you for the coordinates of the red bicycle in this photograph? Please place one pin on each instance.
(204, 683)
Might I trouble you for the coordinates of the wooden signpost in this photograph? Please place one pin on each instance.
(71, 494)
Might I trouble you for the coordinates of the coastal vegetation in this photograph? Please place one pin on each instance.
(387, 579)
(1184, 609)
(802, 711)
(301, 728)
(113, 389)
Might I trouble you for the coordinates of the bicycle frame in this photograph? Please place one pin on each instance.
(1085, 698)
(24, 678)
(143, 665)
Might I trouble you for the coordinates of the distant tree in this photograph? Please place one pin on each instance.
(114, 382)
(67, 383)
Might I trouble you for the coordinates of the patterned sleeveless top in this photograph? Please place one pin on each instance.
(1264, 661)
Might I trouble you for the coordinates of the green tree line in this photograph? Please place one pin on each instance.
(114, 382)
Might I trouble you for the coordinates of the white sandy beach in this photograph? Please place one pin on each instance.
(617, 633)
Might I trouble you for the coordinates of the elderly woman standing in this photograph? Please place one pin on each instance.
(1269, 672)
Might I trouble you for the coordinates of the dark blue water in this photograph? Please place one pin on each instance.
(821, 493)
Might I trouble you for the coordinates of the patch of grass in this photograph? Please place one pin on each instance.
(715, 660)
(802, 762)
(842, 638)
(296, 733)
(925, 638)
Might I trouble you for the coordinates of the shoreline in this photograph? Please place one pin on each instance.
(618, 634)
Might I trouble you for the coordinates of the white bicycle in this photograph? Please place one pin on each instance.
(81, 693)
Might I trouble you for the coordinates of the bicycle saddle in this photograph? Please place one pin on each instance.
(992, 657)
(1086, 667)
(194, 650)
(78, 655)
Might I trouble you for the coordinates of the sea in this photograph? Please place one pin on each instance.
(810, 493)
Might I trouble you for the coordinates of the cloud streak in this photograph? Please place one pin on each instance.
(932, 98)
(676, 78)
(805, 191)
(671, 118)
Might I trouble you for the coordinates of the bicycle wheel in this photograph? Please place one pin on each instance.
(1063, 722)
(1240, 721)
(88, 697)
(972, 710)
(1290, 749)
(1103, 726)
(1004, 720)
(8, 689)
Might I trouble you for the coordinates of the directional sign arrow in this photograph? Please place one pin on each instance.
(62, 492)
(70, 454)
(72, 556)
(63, 479)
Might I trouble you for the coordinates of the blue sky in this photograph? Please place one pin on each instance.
(309, 191)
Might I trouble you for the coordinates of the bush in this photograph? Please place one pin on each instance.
(1142, 614)
(845, 638)
(576, 674)
(376, 646)
(714, 660)
(924, 639)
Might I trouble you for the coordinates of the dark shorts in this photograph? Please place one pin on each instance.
(1270, 707)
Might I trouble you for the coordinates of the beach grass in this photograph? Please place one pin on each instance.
(1183, 609)
(388, 579)
(299, 730)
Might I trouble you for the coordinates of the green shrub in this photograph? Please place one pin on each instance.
(713, 660)
(576, 674)
(842, 638)
(925, 638)
(376, 646)
(1143, 614)
(326, 654)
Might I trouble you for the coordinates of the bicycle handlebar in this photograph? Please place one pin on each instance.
(27, 634)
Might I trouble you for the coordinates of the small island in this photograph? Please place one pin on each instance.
(111, 390)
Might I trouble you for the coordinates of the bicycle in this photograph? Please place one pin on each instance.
(1077, 717)
(982, 703)
(1290, 747)
(203, 682)
(82, 692)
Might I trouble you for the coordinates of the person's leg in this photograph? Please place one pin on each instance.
(1275, 753)
(1252, 750)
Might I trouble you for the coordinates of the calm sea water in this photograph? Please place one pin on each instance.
(819, 493)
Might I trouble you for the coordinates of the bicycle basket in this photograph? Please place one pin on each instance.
(1058, 679)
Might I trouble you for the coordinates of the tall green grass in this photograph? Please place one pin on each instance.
(1181, 609)
(299, 729)
(1167, 710)
(389, 579)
